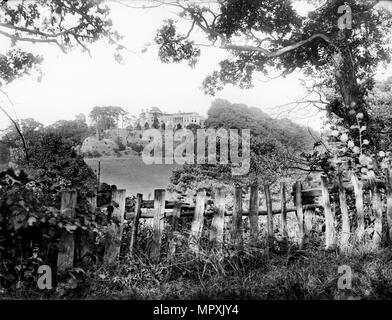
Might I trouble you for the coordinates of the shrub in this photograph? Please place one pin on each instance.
(31, 225)
(136, 147)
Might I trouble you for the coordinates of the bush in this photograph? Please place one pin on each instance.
(136, 147)
(31, 225)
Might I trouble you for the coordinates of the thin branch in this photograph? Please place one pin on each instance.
(32, 40)
(19, 132)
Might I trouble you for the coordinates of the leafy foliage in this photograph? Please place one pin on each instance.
(29, 127)
(261, 35)
(106, 117)
(31, 224)
(74, 130)
(275, 148)
(66, 24)
(175, 48)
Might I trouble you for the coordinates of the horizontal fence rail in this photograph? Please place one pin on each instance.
(323, 200)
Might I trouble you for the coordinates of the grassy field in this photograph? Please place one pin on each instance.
(132, 174)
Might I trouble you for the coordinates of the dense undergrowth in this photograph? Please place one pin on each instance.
(253, 272)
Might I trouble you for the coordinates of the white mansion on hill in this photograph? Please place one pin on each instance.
(168, 120)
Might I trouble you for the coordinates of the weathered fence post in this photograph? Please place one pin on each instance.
(87, 238)
(135, 225)
(300, 215)
(218, 220)
(114, 235)
(158, 224)
(175, 219)
(344, 241)
(254, 212)
(388, 175)
(330, 232)
(66, 252)
(377, 210)
(198, 221)
(270, 217)
(236, 226)
(358, 191)
(308, 223)
(284, 213)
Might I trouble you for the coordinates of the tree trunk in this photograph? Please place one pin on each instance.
(346, 78)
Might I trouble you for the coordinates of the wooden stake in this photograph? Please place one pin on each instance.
(198, 221)
(270, 217)
(254, 212)
(300, 215)
(158, 225)
(308, 223)
(175, 219)
(135, 225)
(236, 227)
(358, 191)
(330, 232)
(344, 240)
(376, 209)
(388, 174)
(284, 212)
(218, 220)
(65, 258)
(114, 235)
(84, 243)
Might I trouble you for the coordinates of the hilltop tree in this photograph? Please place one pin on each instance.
(74, 130)
(264, 34)
(105, 118)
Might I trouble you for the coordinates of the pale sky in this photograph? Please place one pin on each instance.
(74, 83)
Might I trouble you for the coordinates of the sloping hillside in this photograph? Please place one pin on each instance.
(222, 113)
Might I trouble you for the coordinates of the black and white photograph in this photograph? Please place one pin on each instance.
(195, 150)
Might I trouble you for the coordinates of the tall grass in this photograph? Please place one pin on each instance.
(252, 271)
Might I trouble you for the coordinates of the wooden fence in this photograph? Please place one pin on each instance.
(305, 204)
